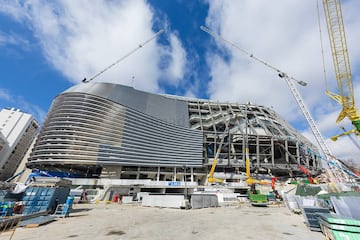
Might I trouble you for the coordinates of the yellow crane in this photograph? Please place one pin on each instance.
(211, 178)
(345, 97)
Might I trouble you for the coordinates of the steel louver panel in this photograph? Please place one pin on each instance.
(86, 129)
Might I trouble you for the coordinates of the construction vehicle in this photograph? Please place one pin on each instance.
(337, 170)
(249, 180)
(211, 179)
(345, 98)
(325, 149)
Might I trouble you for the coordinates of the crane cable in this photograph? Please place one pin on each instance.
(281, 73)
(125, 56)
(322, 47)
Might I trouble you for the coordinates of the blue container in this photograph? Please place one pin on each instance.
(70, 200)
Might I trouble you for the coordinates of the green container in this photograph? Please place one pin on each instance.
(258, 198)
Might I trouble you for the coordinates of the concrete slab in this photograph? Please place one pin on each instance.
(116, 221)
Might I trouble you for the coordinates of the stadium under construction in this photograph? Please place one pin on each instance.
(104, 130)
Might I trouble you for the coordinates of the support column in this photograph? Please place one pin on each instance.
(192, 174)
(298, 153)
(287, 151)
(119, 172)
(244, 150)
(174, 175)
(257, 152)
(138, 173)
(272, 153)
(307, 161)
(158, 175)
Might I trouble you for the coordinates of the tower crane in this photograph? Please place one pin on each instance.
(345, 98)
(125, 56)
(320, 140)
(338, 171)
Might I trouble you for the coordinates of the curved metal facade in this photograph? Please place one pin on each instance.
(85, 132)
(96, 126)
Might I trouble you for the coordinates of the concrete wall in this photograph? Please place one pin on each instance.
(204, 201)
(168, 201)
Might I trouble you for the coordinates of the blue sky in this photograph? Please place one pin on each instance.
(48, 46)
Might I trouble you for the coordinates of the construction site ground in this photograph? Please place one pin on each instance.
(121, 222)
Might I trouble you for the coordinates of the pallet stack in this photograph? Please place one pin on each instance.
(334, 227)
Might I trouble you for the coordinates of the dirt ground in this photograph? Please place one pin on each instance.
(122, 222)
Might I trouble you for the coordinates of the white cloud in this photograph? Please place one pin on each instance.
(285, 34)
(38, 113)
(173, 61)
(12, 9)
(177, 60)
(273, 34)
(346, 148)
(5, 95)
(80, 39)
(13, 39)
(8, 99)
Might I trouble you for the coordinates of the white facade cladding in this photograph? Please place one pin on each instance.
(3, 141)
(18, 130)
(95, 129)
(91, 126)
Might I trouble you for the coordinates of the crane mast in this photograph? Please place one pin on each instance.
(319, 138)
(345, 98)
